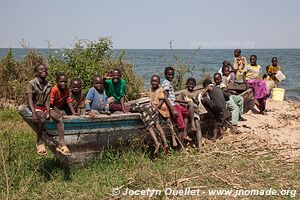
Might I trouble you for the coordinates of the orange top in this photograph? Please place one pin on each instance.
(59, 99)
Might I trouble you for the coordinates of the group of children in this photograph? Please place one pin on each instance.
(45, 101)
(108, 95)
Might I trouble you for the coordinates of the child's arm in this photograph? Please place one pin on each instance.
(32, 108)
(47, 105)
(87, 102)
(72, 109)
(173, 111)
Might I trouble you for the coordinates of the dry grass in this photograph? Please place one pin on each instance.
(245, 162)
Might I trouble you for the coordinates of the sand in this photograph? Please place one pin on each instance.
(278, 130)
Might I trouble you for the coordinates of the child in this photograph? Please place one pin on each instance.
(179, 113)
(239, 70)
(77, 95)
(259, 87)
(157, 99)
(37, 93)
(273, 69)
(228, 76)
(215, 105)
(238, 56)
(115, 89)
(235, 104)
(150, 113)
(60, 103)
(188, 97)
(96, 100)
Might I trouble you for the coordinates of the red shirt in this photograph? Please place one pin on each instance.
(59, 99)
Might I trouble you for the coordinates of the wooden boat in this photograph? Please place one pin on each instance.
(87, 137)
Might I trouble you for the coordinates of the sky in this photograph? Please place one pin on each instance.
(141, 24)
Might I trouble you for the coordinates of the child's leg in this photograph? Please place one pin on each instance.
(42, 118)
(58, 118)
(173, 134)
(192, 112)
(198, 134)
(153, 136)
(162, 135)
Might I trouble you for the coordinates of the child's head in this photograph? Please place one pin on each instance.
(226, 71)
(237, 53)
(76, 86)
(155, 81)
(253, 60)
(169, 73)
(226, 63)
(217, 78)
(61, 81)
(41, 71)
(274, 61)
(98, 82)
(206, 82)
(190, 84)
(116, 75)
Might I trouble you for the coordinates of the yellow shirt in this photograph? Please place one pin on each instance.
(272, 71)
(252, 72)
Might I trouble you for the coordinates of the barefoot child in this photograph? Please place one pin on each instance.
(78, 96)
(189, 98)
(179, 113)
(37, 93)
(215, 105)
(61, 103)
(96, 100)
(150, 115)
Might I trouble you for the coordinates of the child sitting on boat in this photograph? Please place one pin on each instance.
(188, 98)
(180, 114)
(115, 88)
(61, 103)
(78, 96)
(37, 92)
(96, 101)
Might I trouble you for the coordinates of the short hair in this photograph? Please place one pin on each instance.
(59, 75)
(206, 82)
(36, 68)
(191, 80)
(254, 57)
(97, 76)
(217, 74)
(238, 50)
(156, 77)
(169, 69)
(76, 79)
(275, 58)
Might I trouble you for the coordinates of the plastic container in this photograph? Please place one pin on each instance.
(280, 76)
(278, 94)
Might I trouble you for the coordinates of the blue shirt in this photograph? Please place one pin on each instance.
(96, 100)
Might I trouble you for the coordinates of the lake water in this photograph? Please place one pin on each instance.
(153, 61)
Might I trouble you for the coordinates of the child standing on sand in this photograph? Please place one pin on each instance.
(96, 101)
(61, 103)
(37, 92)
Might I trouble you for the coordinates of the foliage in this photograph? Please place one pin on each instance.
(88, 58)
(84, 60)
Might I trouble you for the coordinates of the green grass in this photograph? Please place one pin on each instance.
(24, 175)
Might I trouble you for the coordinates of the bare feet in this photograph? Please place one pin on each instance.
(157, 146)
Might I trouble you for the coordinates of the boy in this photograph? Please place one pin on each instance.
(188, 97)
(179, 113)
(238, 56)
(116, 89)
(60, 103)
(215, 105)
(235, 104)
(96, 100)
(77, 95)
(37, 93)
(157, 99)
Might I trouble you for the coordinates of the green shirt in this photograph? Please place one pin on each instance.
(115, 90)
